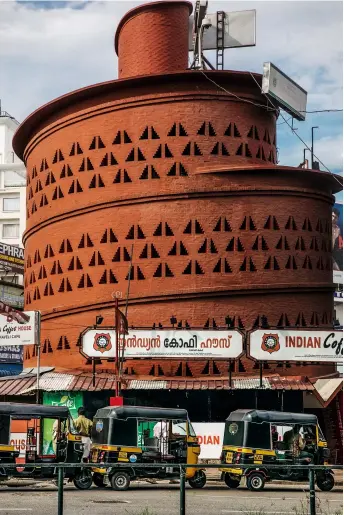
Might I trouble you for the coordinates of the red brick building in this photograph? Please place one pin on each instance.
(166, 160)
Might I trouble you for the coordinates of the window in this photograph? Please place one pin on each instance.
(10, 231)
(14, 179)
(11, 204)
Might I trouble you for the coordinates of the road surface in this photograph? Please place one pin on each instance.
(163, 499)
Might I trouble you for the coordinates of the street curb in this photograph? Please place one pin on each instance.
(277, 482)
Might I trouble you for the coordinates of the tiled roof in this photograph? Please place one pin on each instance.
(24, 384)
(244, 383)
(290, 383)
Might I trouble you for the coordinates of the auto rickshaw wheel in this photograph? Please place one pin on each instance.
(255, 481)
(230, 482)
(83, 480)
(98, 480)
(198, 480)
(325, 482)
(120, 481)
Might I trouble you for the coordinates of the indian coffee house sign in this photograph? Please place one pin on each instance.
(188, 344)
(296, 345)
(19, 327)
(11, 258)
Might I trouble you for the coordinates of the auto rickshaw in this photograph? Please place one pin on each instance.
(254, 437)
(141, 435)
(39, 420)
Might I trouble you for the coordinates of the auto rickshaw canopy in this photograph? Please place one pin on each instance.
(125, 412)
(274, 417)
(19, 410)
(120, 425)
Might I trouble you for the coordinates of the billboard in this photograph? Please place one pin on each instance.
(11, 354)
(210, 439)
(289, 95)
(73, 401)
(11, 258)
(239, 30)
(23, 332)
(337, 242)
(296, 345)
(101, 343)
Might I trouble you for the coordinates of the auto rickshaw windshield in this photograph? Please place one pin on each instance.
(247, 434)
(72, 428)
(182, 427)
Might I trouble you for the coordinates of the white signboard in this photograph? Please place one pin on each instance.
(210, 438)
(19, 440)
(297, 345)
(239, 30)
(337, 277)
(289, 95)
(101, 343)
(15, 333)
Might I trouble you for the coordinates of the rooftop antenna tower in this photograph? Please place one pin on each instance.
(217, 32)
(200, 23)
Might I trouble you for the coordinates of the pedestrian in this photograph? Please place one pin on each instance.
(84, 427)
(296, 443)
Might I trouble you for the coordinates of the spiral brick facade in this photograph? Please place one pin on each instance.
(186, 174)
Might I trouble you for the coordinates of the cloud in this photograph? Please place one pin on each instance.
(329, 149)
(45, 53)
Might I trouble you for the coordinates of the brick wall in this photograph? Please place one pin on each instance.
(186, 175)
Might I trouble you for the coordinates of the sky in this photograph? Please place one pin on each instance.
(50, 48)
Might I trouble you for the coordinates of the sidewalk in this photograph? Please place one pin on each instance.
(215, 475)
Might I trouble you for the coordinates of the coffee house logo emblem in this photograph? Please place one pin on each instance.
(270, 343)
(102, 342)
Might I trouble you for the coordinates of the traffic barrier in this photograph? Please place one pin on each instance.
(182, 472)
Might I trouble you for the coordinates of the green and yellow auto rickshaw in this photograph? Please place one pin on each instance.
(255, 437)
(37, 421)
(146, 436)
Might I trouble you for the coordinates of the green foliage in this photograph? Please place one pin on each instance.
(145, 511)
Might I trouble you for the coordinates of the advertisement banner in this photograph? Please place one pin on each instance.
(337, 243)
(13, 332)
(101, 343)
(296, 345)
(11, 258)
(11, 354)
(210, 438)
(73, 401)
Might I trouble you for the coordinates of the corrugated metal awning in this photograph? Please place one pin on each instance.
(251, 383)
(14, 385)
(26, 384)
(326, 389)
(51, 382)
(136, 384)
(244, 383)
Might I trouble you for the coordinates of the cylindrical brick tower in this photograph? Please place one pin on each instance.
(181, 166)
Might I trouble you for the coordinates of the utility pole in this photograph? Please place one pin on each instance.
(312, 148)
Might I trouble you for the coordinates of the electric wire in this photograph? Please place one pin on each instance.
(261, 105)
(282, 123)
(271, 109)
(324, 111)
(267, 108)
(299, 137)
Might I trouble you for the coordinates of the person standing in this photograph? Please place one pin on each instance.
(84, 427)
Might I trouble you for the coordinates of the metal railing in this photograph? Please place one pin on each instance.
(312, 469)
